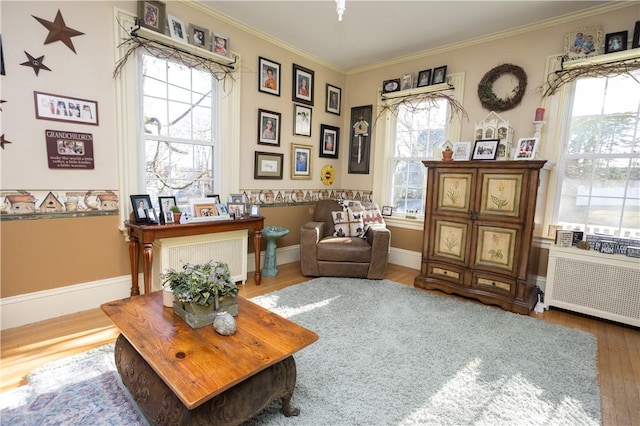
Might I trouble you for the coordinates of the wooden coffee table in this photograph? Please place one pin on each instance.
(181, 375)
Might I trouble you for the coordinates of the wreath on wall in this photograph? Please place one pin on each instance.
(489, 100)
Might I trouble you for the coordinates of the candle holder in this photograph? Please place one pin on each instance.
(537, 126)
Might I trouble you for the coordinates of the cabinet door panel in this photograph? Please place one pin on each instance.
(450, 241)
(502, 194)
(496, 247)
(454, 191)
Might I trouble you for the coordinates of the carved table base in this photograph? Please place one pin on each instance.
(231, 407)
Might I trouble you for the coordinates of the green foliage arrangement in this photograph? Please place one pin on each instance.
(200, 283)
(175, 209)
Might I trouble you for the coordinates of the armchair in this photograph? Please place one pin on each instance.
(323, 254)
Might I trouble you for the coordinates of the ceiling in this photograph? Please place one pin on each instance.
(373, 32)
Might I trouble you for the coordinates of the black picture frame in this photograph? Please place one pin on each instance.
(152, 14)
(140, 204)
(485, 149)
(439, 75)
(424, 78)
(635, 42)
(269, 135)
(268, 83)
(267, 165)
(165, 203)
(216, 198)
(329, 141)
(390, 86)
(360, 140)
(334, 99)
(388, 210)
(616, 42)
(303, 81)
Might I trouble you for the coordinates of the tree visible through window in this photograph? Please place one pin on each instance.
(600, 164)
(419, 129)
(180, 129)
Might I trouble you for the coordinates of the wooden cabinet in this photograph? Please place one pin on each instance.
(478, 229)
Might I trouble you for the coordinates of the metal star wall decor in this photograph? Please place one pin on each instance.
(35, 63)
(58, 31)
(3, 141)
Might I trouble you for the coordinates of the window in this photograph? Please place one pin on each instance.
(180, 130)
(599, 168)
(419, 129)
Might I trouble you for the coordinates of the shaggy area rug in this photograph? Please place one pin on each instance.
(388, 354)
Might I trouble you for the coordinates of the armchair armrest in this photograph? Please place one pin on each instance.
(380, 239)
(310, 235)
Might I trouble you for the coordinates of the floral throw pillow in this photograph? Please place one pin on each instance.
(347, 223)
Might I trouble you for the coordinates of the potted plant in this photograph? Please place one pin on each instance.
(201, 291)
(447, 154)
(177, 214)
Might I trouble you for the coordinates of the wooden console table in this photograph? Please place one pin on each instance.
(145, 235)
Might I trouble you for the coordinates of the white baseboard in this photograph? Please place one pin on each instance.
(42, 305)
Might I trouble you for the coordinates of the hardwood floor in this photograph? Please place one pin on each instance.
(27, 347)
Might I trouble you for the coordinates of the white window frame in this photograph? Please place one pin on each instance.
(553, 138)
(128, 124)
(382, 184)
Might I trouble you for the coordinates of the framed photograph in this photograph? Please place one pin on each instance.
(254, 210)
(406, 81)
(177, 29)
(235, 198)
(167, 218)
(302, 120)
(635, 42)
(141, 205)
(165, 204)
(424, 78)
(300, 161)
(616, 42)
(389, 86)
(64, 108)
(329, 140)
(439, 75)
(268, 127)
(267, 165)
(387, 210)
(238, 210)
(152, 15)
(216, 198)
(334, 99)
(268, 76)
(485, 149)
(360, 140)
(461, 151)
(220, 44)
(583, 42)
(526, 149)
(302, 85)
(205, 209)
(198, 36)
(152, 215)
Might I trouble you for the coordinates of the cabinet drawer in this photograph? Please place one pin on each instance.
(445, 272)
(499, 285)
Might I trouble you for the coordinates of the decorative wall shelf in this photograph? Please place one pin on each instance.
(417, 91)
(622, 56)
(166, 41)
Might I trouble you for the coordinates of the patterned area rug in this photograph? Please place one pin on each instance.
(388, 354)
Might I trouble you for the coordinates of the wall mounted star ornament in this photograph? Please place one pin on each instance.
(35, 63)
(58, 31)
(3, 141)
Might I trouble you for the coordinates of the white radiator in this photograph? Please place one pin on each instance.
(229, 247)
(603, 285)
